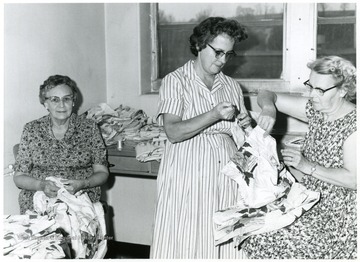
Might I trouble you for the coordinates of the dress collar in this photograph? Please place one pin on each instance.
(189, 72)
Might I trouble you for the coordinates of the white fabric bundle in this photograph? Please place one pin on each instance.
(269, 197)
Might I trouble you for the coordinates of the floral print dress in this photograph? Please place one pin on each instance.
(329, 229)
(41, 155)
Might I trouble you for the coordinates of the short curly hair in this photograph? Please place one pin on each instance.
(54, 81)
(210, 28)
(341, 69)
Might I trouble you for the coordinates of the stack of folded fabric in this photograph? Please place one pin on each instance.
(118, 124)
(269, 197)
(124, 123)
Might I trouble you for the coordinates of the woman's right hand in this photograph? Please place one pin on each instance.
(267, 118)
(49, 188)
(224, 110)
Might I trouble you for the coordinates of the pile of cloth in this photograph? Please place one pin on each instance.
(124, 123)
(66, 219)
(132, 126)
(32, 236)
(117, 124)
(269, 196)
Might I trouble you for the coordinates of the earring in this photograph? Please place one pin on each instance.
(343, 93)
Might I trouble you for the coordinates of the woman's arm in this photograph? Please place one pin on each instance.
(178, 130)
(345, 176)
(24, 181)
(98, 178)
(269, 102)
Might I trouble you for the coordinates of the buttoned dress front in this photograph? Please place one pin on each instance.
(190, 185)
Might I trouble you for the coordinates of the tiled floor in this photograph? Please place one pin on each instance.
(127, 251)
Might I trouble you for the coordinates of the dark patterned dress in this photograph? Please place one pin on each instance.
(42, 155)
(328, 230)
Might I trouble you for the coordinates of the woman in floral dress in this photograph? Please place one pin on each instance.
(327, 163)
(60, 144)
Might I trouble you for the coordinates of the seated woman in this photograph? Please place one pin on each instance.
(62, 145)
(327, 163)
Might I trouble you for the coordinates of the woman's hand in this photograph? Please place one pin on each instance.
(294, 158)
(244, 120)
(49, 188)
(224, 110)
(267, 118)
(73, 185)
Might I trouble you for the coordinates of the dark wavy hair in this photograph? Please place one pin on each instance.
(210, 28)
(341, 69)
(54, 81)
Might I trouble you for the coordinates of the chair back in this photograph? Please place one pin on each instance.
(16, 150)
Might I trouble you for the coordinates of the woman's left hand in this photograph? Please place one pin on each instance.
(294, 158)
(244, 120)
(72, 185)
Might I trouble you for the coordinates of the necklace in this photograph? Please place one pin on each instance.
(59, 131)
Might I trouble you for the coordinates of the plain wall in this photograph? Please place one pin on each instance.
(42, 40)
(123, 58)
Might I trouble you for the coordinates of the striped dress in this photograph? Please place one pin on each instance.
(190, 186)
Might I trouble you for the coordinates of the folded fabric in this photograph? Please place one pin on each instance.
(149, 151)
(269, 197)
(97, 112)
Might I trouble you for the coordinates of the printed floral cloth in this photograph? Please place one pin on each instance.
(31, 236)
(269, 196)
(67, 221)
(83, 220)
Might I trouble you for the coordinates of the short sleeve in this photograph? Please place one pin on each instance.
(23, 162)
(170, 98)
(98, 147)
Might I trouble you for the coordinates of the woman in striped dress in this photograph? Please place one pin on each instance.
(197, 108)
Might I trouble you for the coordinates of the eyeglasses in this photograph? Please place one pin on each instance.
(219, 53)
(318, 90)
(56, 100)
